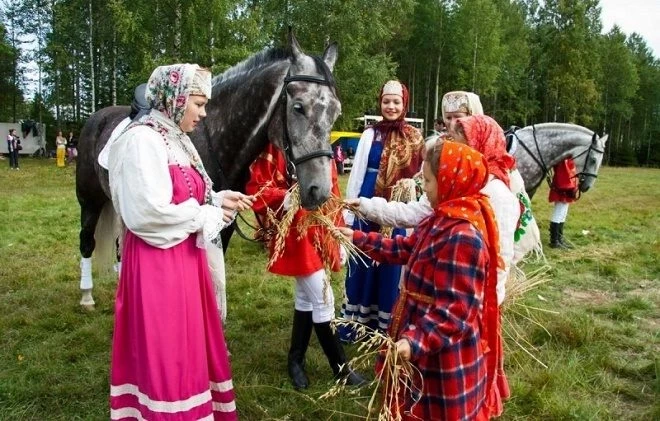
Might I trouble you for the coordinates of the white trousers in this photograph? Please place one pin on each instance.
(309, 296)
(559, 212)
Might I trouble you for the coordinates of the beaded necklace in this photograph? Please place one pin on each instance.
(187, 148)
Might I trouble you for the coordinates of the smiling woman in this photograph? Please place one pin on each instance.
(387, 152)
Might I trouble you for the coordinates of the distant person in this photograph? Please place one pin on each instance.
(13, 145)
(350, 152)
(60, 142)
(71, 148)
(439, 127)
(563, 191)
(339, 159)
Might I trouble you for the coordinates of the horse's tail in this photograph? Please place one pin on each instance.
(107, 235)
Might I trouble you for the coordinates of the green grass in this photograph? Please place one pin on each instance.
(602, 348)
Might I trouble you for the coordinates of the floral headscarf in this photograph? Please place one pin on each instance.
(485, 135)
(402, 144)
(461, 175)
(169, 88)
(461, 101)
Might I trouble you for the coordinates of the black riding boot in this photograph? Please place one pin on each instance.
(562, 239)
(334, 350)
(555, 236)
(300, 334)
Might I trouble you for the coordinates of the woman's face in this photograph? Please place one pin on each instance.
(391, 107)
(457, 134)
(195, 112)
(450, 117)
(430, 184)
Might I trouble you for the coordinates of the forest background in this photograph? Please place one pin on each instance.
(530, 61)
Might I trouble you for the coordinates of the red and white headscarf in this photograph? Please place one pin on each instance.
(486, 136)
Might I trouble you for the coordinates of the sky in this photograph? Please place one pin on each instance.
(641, 16)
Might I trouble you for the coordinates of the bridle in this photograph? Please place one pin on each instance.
(291, 160)
(547, 172)
(582, 174)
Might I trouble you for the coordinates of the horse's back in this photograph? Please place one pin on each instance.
(91, 178)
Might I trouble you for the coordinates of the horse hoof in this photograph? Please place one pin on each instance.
(88, 307)
(87, 301)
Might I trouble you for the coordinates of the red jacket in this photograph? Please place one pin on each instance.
(300, 256)
(564, 186)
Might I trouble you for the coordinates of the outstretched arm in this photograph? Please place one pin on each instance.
(393, 214)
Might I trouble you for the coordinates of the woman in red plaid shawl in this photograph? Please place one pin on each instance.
(446, 318)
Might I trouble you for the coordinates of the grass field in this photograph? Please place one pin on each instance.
(601, 346)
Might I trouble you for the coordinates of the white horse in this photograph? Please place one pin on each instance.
(538, 148)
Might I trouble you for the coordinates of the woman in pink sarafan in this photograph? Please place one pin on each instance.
(169, 358)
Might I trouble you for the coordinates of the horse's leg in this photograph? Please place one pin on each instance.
(89, 216)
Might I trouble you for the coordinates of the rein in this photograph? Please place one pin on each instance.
(539, 161)
(588, 151)
(287, 146)
(547, 172)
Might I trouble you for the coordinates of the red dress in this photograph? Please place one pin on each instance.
(301, 257)
(564, 186)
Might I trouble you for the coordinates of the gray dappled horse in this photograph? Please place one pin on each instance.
(278, 95)
(540, 147)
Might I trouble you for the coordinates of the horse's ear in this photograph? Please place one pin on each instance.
(330, 55)
(604, 139)
(296, 51)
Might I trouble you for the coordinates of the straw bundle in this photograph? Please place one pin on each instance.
(518, 285)
(396, 380)
(326, 240)
(405, 190)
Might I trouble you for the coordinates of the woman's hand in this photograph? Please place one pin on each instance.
(234, 202)
(346, 232)
(352, 202)
(403, 349)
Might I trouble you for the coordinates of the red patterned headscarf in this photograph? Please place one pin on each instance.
(402, 144)
(485, 135)
(461, 175)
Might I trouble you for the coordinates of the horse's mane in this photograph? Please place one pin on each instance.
(266, 57)
(262, 58)
(563, 127)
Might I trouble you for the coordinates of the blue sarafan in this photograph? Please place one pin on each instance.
(279, 95)
(539, 147)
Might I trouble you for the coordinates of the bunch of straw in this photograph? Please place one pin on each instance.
(327, 240)
(518, 285)
(397, 379)
(405, 190)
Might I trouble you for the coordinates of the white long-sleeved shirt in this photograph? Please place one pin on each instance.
(141, 190)
(505, 207)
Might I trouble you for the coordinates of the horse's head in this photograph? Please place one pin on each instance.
(593, 158)
(301, 126)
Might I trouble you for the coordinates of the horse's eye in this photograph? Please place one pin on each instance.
(297, 107)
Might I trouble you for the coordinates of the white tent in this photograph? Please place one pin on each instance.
(29, 142)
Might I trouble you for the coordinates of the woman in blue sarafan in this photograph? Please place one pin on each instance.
(389, 151)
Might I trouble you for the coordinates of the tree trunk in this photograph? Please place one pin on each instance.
(474, 62)
(437, 88)
(114, 67)
(91, 59)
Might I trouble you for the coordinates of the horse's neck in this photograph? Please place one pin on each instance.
(237, 121)
(558, 145)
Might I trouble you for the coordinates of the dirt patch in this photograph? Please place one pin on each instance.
(593, 297)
